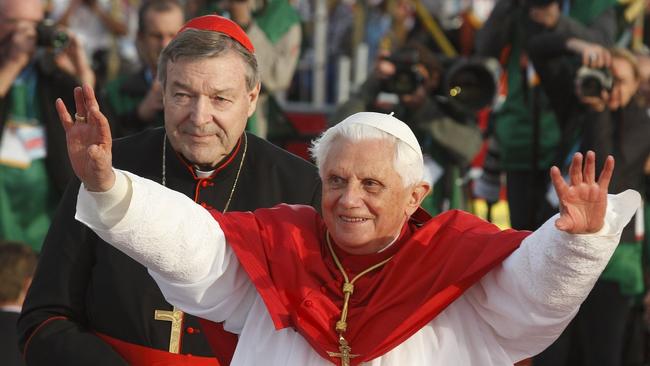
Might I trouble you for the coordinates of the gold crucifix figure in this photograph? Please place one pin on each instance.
(176, 317)
(343, 353)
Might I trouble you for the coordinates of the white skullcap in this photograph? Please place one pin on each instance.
(386, 123)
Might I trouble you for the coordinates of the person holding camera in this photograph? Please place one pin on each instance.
(33, 166)
(525, 126)
(98, 24)
(603, 107)
(407, 82)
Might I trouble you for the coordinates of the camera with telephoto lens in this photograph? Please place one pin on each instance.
(471, 84)
(592, 82)
(48, 35)
(407, 78)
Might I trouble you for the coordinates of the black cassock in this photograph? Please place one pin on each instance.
(84, 286)
(9, 353)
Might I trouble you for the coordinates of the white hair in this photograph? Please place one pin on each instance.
(407, 162)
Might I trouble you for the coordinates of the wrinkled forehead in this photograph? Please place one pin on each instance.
(380, 151)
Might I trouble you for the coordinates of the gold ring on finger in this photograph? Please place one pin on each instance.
(78, 118)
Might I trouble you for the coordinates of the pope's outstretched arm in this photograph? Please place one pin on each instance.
(533, 295)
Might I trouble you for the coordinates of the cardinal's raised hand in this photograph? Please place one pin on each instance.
(583, 201)
(89, 140)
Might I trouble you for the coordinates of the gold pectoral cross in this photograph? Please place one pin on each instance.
(343, 353)
(176, 317)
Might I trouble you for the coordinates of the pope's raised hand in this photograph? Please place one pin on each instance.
(583, 201)
(89, 140)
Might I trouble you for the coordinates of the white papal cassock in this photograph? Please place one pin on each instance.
(512, 313)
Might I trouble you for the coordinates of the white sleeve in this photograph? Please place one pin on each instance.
(532, 296)
(180, 243)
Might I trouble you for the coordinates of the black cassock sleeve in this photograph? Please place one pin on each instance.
(53, 328)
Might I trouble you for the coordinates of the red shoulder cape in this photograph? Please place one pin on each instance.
(435, 261)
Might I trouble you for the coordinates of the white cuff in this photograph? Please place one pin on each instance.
(105, 209)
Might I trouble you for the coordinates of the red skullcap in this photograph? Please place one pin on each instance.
(220, 24)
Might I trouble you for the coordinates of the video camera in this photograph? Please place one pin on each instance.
(48, 35)
(592, 82)
(407, 78)
(468, 84)
(471, 84)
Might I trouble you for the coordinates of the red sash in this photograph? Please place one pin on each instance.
(435, 260)
(137, 355)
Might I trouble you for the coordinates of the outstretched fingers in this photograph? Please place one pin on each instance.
(79, 104)
(589, 174)
(64, 115)
(575, 169)
(102, 128)
(94, 116)
(90, 100)
(564, 222)
(606, 174)
(559, 184)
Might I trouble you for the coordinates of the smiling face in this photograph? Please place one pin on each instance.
(206, 106)
(365, 203)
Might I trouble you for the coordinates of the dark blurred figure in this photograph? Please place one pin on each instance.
(601, 104)
(35, 68)
(17, 265)
(525, 126)
(408, 82)
(133, 101)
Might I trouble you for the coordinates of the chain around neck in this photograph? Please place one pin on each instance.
(348, 286)
(234, 185)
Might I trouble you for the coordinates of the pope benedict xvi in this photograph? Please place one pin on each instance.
(374, 280)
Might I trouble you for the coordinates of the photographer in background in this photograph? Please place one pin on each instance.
(98, 24)
(525, 126)
(406, 82)
(134, 100)
(600, 102)
(34, 169)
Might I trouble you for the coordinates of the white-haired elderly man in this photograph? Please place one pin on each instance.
(374, 280)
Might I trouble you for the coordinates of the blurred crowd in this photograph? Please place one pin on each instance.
(497, 92)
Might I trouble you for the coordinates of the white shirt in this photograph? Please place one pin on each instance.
(512, 313)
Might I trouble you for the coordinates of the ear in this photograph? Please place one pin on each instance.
(418, 192)
(253, 96)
